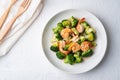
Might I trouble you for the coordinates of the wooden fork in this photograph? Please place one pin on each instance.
(5, 14)
(23, 7)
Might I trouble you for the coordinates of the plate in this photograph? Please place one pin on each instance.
(90, 62)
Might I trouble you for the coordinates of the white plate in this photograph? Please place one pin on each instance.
(89, 63)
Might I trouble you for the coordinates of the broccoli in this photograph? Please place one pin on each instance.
(94, 43)
(54, 39)
(78, 59)
(85, 24)
(60, 55)
(90, 37)
(60, 24)
(54, 48)
(70, 59)
(74, 21)
(75, 31)
(79, 41)
(65, 22)
(66, 47)
(82, 38)
(78, 53)
(58, 36)
(57, 29)
(87, 53)
(89, 30)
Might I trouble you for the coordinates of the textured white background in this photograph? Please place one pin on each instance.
(26, 61)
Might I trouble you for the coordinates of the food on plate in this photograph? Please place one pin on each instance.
(73, 40)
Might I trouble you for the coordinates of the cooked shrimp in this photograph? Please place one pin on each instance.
(74, 47)
(61, 46)
(79, 27)
(65, 33)
(75, 38)
(85, 45)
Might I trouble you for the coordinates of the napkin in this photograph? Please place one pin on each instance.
(21, 24)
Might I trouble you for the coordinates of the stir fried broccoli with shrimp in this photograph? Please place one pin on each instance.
(73, 40)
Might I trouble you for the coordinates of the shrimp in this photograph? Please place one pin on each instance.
(79, 27)
(65, 33)
(61, 46)
(85, 45)
(74, 47)
(75, 38)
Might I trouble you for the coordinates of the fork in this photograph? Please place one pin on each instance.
(5, 14)
(23, 7)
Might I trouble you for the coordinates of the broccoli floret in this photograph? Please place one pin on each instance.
(79, 41)
(85, 24)
(90, 37)
(74, 21)
(75, 31)
(78, 59)
(54, 39)
(94, 43)
(78, 53)
(65, 22)
(57, 29)
(66, 47)
(82, 38)
(87, 53)
(58, 36)
(70, 59)
(60, 55)
(89, 30)
(54, 48)
(60, 25)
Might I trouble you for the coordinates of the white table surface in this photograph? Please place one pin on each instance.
(26, 61)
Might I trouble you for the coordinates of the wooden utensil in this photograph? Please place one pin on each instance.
(23, 7)
(5, 14)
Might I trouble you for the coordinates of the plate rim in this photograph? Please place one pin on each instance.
(106, 40)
